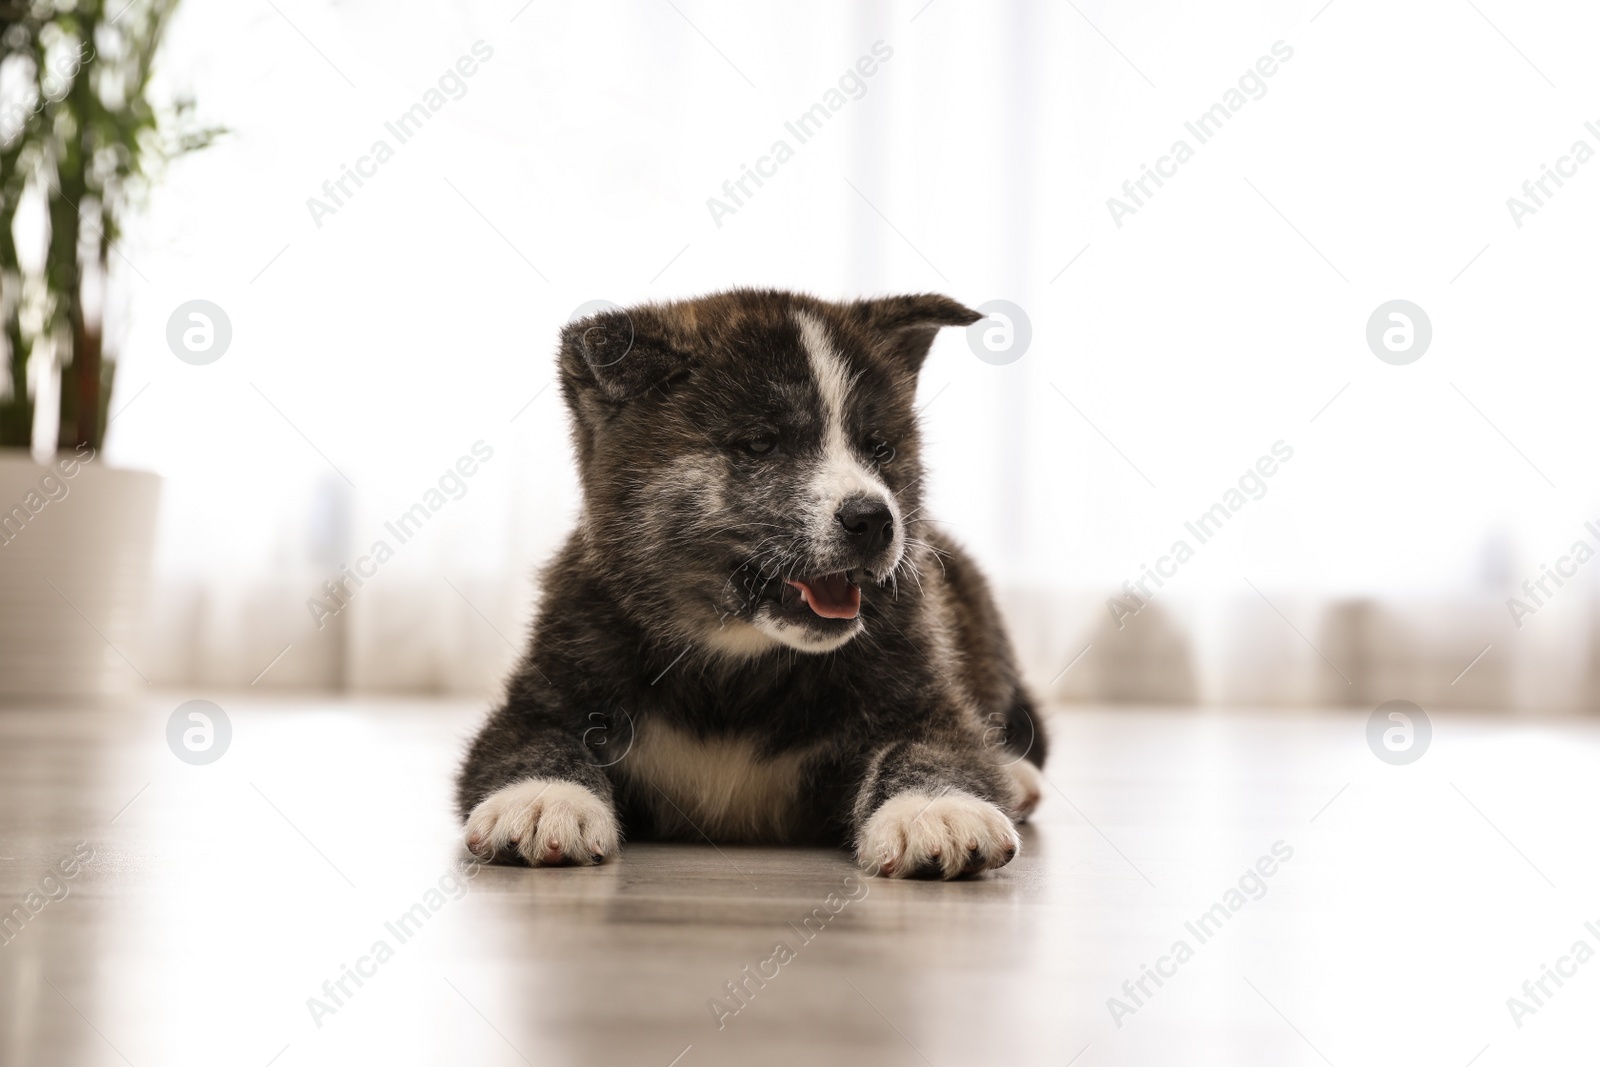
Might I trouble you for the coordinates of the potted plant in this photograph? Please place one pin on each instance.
(79, 138)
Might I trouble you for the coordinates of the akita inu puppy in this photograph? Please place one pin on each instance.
(754, 634)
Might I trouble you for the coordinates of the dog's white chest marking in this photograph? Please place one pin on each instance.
(718, 786)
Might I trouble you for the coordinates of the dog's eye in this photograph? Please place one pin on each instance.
(882, 451)
(764, 445)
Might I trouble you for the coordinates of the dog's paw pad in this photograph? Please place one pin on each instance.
(916, 835)
(546, 822)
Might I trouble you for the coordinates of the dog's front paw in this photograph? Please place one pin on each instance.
(917, 835)
(544, 821)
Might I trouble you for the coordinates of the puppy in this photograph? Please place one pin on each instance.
(755, 634)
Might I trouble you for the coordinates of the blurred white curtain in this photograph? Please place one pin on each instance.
(373, 346)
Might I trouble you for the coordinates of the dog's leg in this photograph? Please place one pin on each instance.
(924, 811)
(987, 665)
(535, 794)
(1030, 780)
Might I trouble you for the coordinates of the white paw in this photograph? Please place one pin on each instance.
(916, 835)
(546, 822)
(1030, 786)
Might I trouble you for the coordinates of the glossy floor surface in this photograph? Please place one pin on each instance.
(1299, 900)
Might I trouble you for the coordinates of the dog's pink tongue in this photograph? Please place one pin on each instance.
(832, 596)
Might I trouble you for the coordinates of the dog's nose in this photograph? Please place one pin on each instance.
(867, 522)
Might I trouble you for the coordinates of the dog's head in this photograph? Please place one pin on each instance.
(750, 460)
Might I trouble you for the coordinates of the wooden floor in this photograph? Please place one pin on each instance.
(219, 899)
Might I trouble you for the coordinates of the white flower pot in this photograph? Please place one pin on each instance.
(75, 553)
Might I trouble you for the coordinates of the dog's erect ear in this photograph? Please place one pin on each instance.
(621, 354)
(908, 323)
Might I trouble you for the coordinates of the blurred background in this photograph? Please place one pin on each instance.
(373, 314)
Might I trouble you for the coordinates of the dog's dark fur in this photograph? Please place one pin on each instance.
(675, 675)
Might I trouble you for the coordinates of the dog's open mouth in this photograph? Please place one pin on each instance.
(831, 596)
